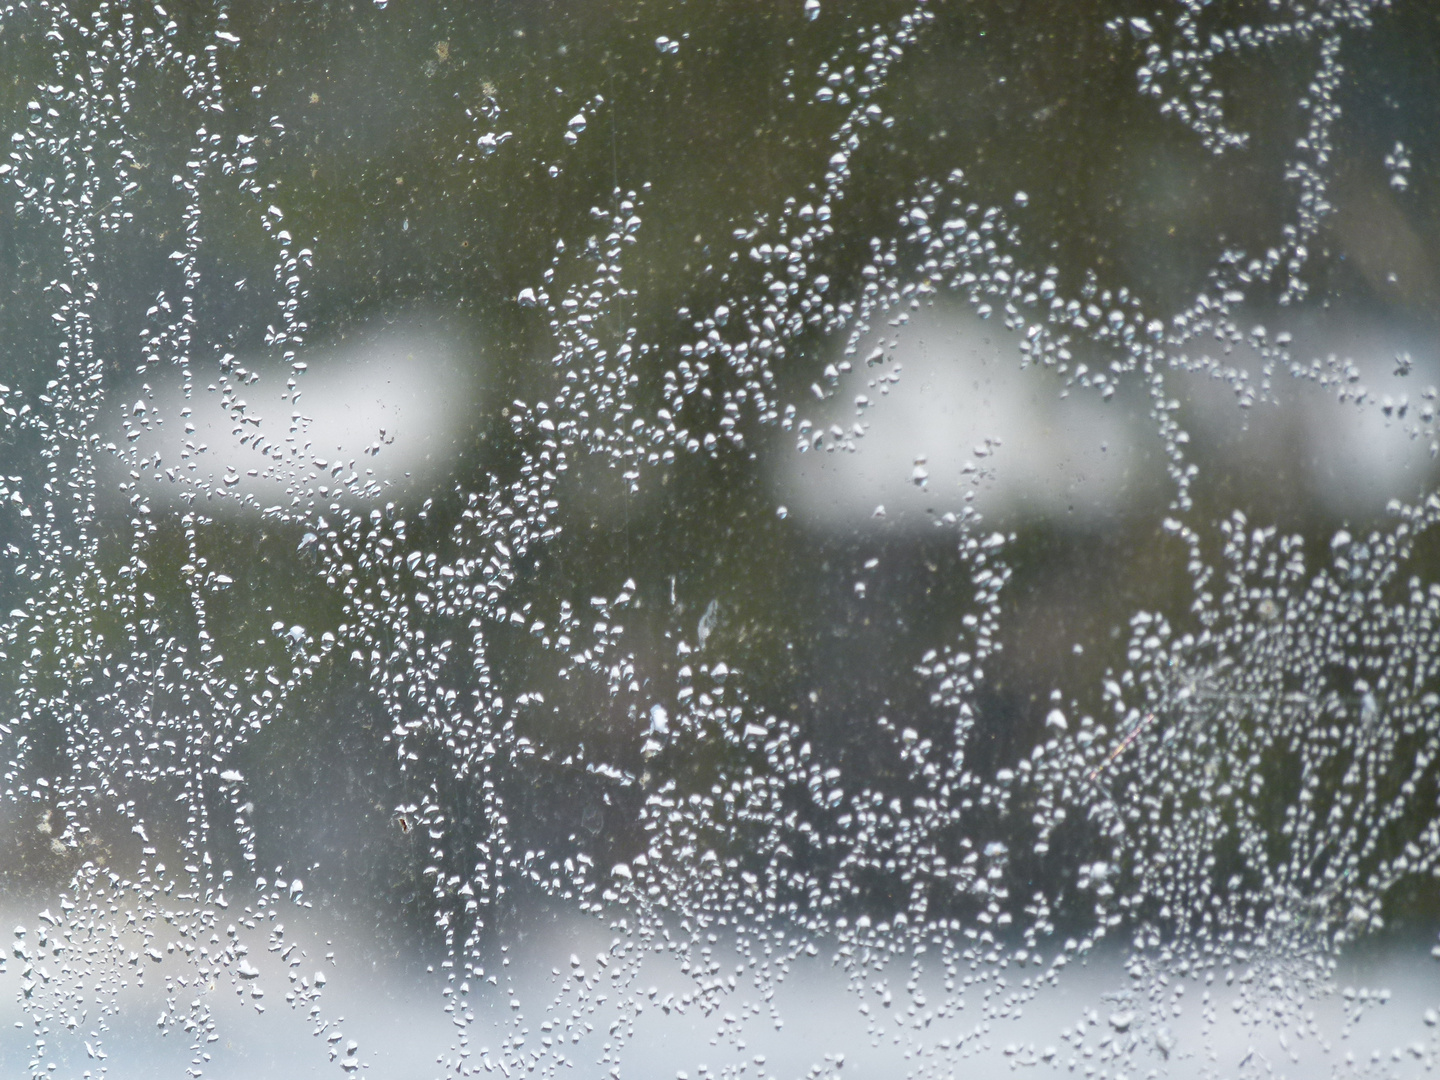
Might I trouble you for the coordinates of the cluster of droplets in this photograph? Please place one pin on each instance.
(1181, 55)
(1179, 824)
(1217, 710)
(1397, 164)
(728, 368)
(1263, 783)
(147, 708)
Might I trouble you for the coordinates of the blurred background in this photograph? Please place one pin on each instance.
(427, 162)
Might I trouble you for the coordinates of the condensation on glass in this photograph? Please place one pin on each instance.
(805, 539)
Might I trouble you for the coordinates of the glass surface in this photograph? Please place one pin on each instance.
(803, 539)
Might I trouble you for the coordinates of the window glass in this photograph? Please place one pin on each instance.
(718, 540)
